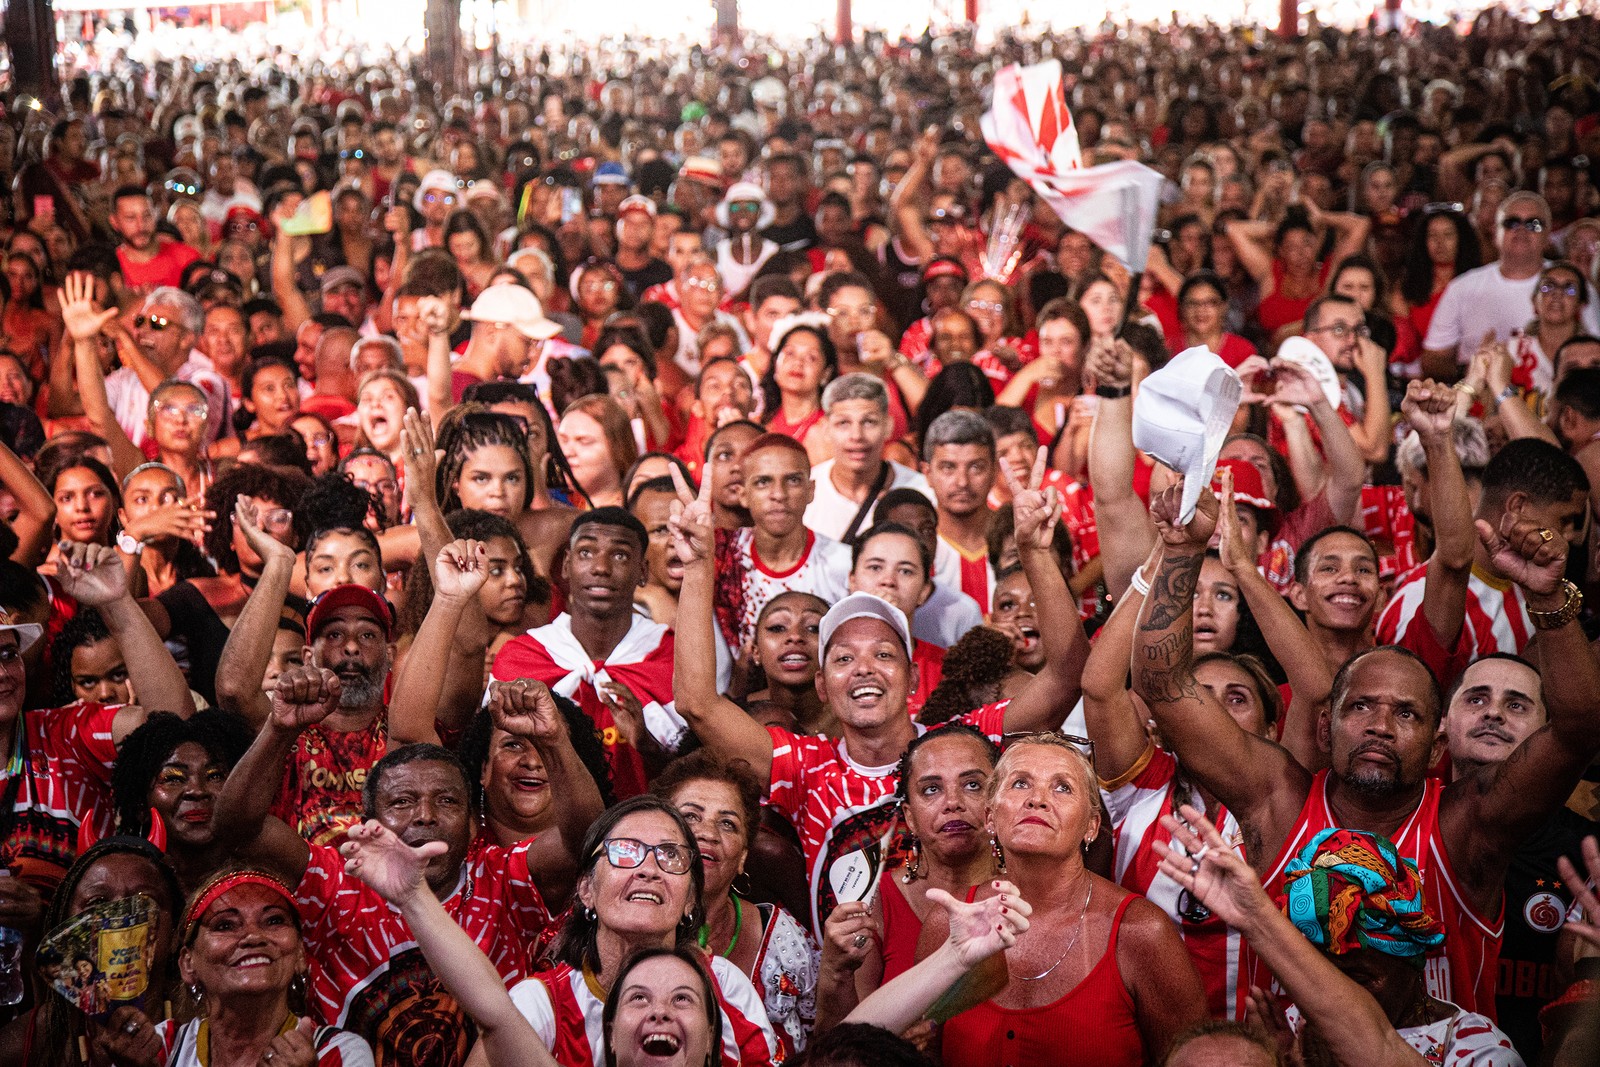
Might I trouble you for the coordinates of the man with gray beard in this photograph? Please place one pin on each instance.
(350, 630)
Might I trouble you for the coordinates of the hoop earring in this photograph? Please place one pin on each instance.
(916, 862)
(588, 915)
(999, 855)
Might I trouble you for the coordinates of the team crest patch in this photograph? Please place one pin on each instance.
(1544, 912)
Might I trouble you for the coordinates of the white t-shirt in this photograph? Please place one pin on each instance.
(130, 400)
(830, 511)
(1483, 299)
(946, 617)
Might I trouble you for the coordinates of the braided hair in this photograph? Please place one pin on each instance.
(463, 431)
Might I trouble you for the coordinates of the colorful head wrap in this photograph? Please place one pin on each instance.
(214, 890)
(1349, 889)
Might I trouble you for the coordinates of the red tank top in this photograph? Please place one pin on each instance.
(901, 928)
(1465, 969)
(1092, 1026)
(1277, 311)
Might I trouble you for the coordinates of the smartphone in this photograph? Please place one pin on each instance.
(44, 207)
(313, 216)
(571, 203)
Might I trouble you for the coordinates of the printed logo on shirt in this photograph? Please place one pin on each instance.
(408, 1017)
(1545, 912)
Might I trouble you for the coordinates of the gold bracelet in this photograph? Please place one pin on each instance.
(1466, 387)
(1554, 620)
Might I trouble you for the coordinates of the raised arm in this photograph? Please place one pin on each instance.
(1373, 433)
(1126, 536)
(1290, 642)
(1345, 1015)
(524, 708)
(284, 289)
(396, 871)
(94, 576)
(36, 509)
(1351, 230)
(1250, 239)
(421, 696)
(909, 200)
(1430, 409)
(977, 931)
(436, 318)
(1045, 701)
(1249, 774)
(249, 649)
(719, 723)
(1486, 817)
(1345, 466)
(303, 697)
(1121, 744)
(84, 324)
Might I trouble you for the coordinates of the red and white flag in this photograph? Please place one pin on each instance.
(1029, 127)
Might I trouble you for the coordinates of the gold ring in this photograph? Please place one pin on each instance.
(1545, 535)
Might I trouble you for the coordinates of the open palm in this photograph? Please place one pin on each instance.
(394, 869)
(980, 929)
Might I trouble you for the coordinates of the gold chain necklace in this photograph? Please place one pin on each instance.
(1084, 914)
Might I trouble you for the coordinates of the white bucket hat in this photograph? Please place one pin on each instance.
(1182, 415)
(749, 192)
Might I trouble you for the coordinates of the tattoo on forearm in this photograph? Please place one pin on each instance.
(1172, 593)
(1168, 686)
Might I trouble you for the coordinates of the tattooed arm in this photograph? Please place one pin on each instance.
(1251, 775)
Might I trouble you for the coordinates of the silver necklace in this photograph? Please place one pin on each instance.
(1081, 917)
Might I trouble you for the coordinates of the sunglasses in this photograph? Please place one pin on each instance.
(194, 411)
(745, 207)
(155, 322)
(1512, 223)
(624, 853)
(1082, 745)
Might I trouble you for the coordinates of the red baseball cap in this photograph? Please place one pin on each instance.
(943, 267)
(344, 596)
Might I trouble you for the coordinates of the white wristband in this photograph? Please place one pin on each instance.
(1138, 583)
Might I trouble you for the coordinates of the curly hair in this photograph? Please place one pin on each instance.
(473, 748)
(224, 736)
(476, 526)
(949, 729)
(973, 668)
(279, 485)
(703, 765)
(332, 502)
(83, 629)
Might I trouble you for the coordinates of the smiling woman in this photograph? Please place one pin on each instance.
(244, 961)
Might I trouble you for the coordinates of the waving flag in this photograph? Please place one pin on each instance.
(1029, 127)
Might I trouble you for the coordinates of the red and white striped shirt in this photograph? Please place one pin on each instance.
(369, 977)
(1496, 621)
(180, 1046)
(566, 1014)
(838, 806)
(1136, 808)
(1466, 967)
(66, 784)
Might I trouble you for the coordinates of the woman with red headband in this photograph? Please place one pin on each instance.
(244, 967)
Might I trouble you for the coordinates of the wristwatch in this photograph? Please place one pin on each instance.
(1112, 392)
(1554, 620)
(128, 543)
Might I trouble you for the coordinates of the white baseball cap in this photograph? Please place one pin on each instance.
(513, 305)
(1304, 353)
(863, 606)
(27, 632)
(1182, 415)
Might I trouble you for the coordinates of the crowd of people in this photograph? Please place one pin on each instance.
(648, 564)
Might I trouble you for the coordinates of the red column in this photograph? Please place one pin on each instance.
(972, 12)
(1288, 19)
(845, 34)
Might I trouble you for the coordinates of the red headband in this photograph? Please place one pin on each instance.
(226, 883)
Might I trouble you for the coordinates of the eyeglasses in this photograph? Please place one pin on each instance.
(708, 284)
(239, 227)
(1570, 289)
(278, 520)
(607, 285)
(434, 198)
(382, 486)
(319, 440)
(994, 306)
(750, 207)
(155, 322)
(1340, 331)
(946, 214)
(1512, 223)
(851, 313)
(182, 188)
(624, 853)
(1082, 745)
(352, 153)
(196, 411)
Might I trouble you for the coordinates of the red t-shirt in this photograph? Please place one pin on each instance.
(321, 792)
(66, 784)
(164, 268)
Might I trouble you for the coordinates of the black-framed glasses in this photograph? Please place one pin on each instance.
(1340, 331)
(626, 853)
(1531, 223)
(155, 322)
